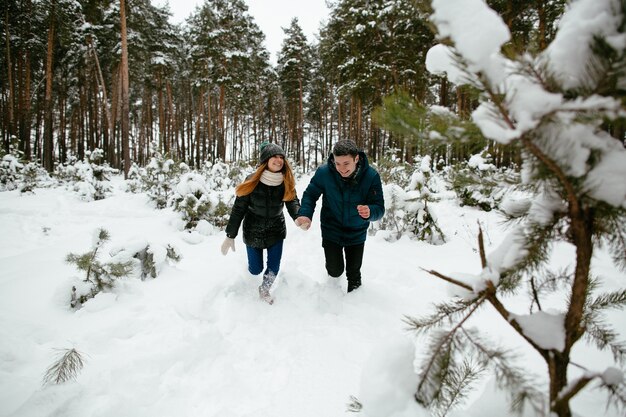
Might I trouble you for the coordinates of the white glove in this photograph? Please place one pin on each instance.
(303, 222)
(228, 243)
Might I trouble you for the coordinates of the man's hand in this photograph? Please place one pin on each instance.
(364, 211)
(303, 222)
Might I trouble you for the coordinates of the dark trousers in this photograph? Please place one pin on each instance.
(335, 262)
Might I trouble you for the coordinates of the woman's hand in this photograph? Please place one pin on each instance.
(228, 243)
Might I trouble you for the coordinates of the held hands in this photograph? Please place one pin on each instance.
(303, 222)
(364, 211)
(228, 244)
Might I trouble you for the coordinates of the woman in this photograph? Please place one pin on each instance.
(259, 204)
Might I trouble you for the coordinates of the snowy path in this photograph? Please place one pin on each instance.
(196, 341)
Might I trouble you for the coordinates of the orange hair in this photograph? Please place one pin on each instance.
(250, 184)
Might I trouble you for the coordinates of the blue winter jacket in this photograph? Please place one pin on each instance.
(339, 218)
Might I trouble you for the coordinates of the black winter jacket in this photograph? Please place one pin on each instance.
(262, 214)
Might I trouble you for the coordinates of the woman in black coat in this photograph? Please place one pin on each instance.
(259, 204)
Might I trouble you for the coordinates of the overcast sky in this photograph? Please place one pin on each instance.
(270, 15)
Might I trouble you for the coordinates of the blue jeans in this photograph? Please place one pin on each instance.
(255, 259)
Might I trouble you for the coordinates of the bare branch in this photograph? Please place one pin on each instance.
(448, 279)
(570, 391)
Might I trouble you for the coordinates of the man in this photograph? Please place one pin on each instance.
(352, 198)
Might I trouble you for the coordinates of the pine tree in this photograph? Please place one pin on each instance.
(570, 165)
(294, 63)
(98, 276)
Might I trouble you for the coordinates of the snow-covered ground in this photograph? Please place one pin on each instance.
(197, 341)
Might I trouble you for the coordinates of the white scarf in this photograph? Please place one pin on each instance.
(272, 178)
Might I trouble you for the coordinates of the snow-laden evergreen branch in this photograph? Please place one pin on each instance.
(440, 362)
(445, 313)
(519, 382)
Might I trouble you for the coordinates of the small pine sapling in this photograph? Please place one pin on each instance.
(159, 179)
(192, 199)
(99, 276)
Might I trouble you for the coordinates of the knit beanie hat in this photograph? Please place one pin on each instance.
(268, 150)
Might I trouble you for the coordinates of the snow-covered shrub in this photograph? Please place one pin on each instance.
(392, 170)
(10, 168)
(478, 183)
(88, 178)
(134, 182)
(159, 178)
(149, 258)
(192, 199)
(99, 276)
(406, 208)
(33, 176)
(143, 258)
(221, 180)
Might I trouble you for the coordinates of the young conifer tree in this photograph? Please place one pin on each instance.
(563, 108)
(99, 276)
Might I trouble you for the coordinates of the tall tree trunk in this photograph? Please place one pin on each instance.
(25, 107)
(125, 98)
(10, 104)
(198, 135)
(115, 116)
(62, 130)
(300, 148)
(48, 142)
(9, 125)
(443, 92)
(108, 124)
(161, 112)
(172, 131)
(207, 141)
(221, 145)
(541, 11)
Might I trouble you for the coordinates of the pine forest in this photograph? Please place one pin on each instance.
(82, 75)
(498, 128)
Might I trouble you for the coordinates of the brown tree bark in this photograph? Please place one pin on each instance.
(48, 141)
(199, 117)
(161, 112)
(300, 145)
(10, 128)
(221, 144)
(172, 131)
(125, 98)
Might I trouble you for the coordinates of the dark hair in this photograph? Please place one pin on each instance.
(345, 147)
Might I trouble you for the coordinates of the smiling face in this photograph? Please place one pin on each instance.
(275, 163)
(346, 164)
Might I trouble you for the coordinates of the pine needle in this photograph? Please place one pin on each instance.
(67, 367)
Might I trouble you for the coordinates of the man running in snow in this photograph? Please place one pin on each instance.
(352, 198)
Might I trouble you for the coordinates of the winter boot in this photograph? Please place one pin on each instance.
(353, 285)
(264, 289)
